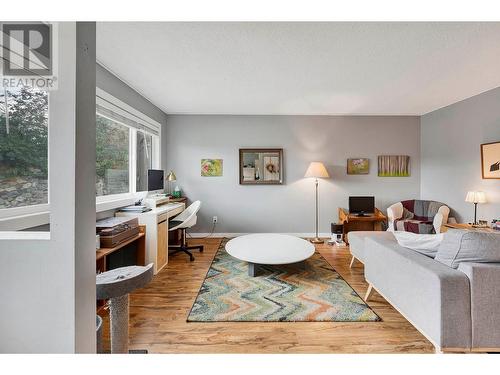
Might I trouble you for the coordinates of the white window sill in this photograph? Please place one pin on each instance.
(22, 222)
(115, 203)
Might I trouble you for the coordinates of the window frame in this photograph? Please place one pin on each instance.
(109, 102)
(35, 209)
(35, 214)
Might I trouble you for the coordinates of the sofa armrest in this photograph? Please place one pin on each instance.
(440, 218)
(437, 222)
(435, 298)
(485, 303)
(395, 211)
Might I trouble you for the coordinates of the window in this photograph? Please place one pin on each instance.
(112, 157)
(127, 145)
(23, 148)
(144, 159)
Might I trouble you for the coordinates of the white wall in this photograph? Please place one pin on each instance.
(451, 156)
(47, 280)
(288, 208)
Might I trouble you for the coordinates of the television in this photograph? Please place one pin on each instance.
(155, 180)
(361, 206)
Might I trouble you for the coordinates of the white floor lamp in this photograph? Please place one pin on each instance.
(317, 170)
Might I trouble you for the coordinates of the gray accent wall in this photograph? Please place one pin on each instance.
(451, 156)
(288, 208)
(110, 83)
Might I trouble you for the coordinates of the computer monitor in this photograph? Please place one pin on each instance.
(155, 180)
(361, 205)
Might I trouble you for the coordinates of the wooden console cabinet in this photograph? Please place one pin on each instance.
(356, 223)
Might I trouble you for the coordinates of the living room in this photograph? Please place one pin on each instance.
(251, 188)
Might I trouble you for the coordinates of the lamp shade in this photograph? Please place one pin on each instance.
(317, 169)
(475, 197)
(171, 176)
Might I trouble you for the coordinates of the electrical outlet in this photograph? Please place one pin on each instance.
(214, 219)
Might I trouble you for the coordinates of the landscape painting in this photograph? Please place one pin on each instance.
(358, 166)
(393, 166)
(490, 160)
(211, 167)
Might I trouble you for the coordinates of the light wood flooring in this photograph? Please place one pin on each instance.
(158, 318)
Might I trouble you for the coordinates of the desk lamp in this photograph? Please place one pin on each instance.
(475, 197)
(170, 178)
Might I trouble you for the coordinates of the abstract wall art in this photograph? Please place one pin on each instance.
(358, 166)
(490, 160)
(393, 166)
(211, 167)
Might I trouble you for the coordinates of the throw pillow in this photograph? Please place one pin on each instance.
(469, 246)
(426, 244)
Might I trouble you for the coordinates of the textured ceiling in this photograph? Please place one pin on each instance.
(303, 68)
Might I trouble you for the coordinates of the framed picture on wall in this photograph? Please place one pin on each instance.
(261, 166)
(211, 167)
(358, 166)
(490, 160)
(393, 166)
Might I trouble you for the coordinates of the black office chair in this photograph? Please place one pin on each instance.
(186, 219)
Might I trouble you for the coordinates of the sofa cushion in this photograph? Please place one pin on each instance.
(469, 246)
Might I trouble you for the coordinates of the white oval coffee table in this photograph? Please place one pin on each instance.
(270, 249)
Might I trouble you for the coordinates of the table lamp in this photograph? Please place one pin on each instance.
(475, 197)
(170, 178)
(316, 170)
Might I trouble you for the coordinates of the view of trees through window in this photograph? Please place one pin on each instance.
(24, 151)
(23, 147)
(144, 160)
(112, 157)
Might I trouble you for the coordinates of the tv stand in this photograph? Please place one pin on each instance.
(362, 214)
(353, 222)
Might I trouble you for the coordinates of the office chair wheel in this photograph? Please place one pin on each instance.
(191, 258)
(201, 249)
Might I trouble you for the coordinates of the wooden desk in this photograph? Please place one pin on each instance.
(156, 222)
(178, 200)
(357, 223)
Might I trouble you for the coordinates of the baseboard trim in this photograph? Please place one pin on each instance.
(231, 235)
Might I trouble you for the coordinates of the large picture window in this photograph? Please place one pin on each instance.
(127, 145)
(112, 157)
(23, 148)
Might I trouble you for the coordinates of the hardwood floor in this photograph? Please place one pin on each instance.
(158, 318)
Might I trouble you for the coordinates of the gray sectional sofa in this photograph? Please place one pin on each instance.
(457, 309)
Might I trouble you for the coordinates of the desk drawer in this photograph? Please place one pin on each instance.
(162, 217)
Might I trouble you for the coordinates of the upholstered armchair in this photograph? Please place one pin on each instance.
(417, 216)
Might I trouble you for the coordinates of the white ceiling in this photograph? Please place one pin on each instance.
(303, 68)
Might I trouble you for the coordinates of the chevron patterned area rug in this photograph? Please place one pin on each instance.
(289, 293)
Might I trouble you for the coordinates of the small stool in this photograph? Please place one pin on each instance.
(116, 285)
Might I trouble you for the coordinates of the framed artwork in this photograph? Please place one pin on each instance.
(211, 167)
(393, 166)
(358, 166)
(261, 166)
(490, 160)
